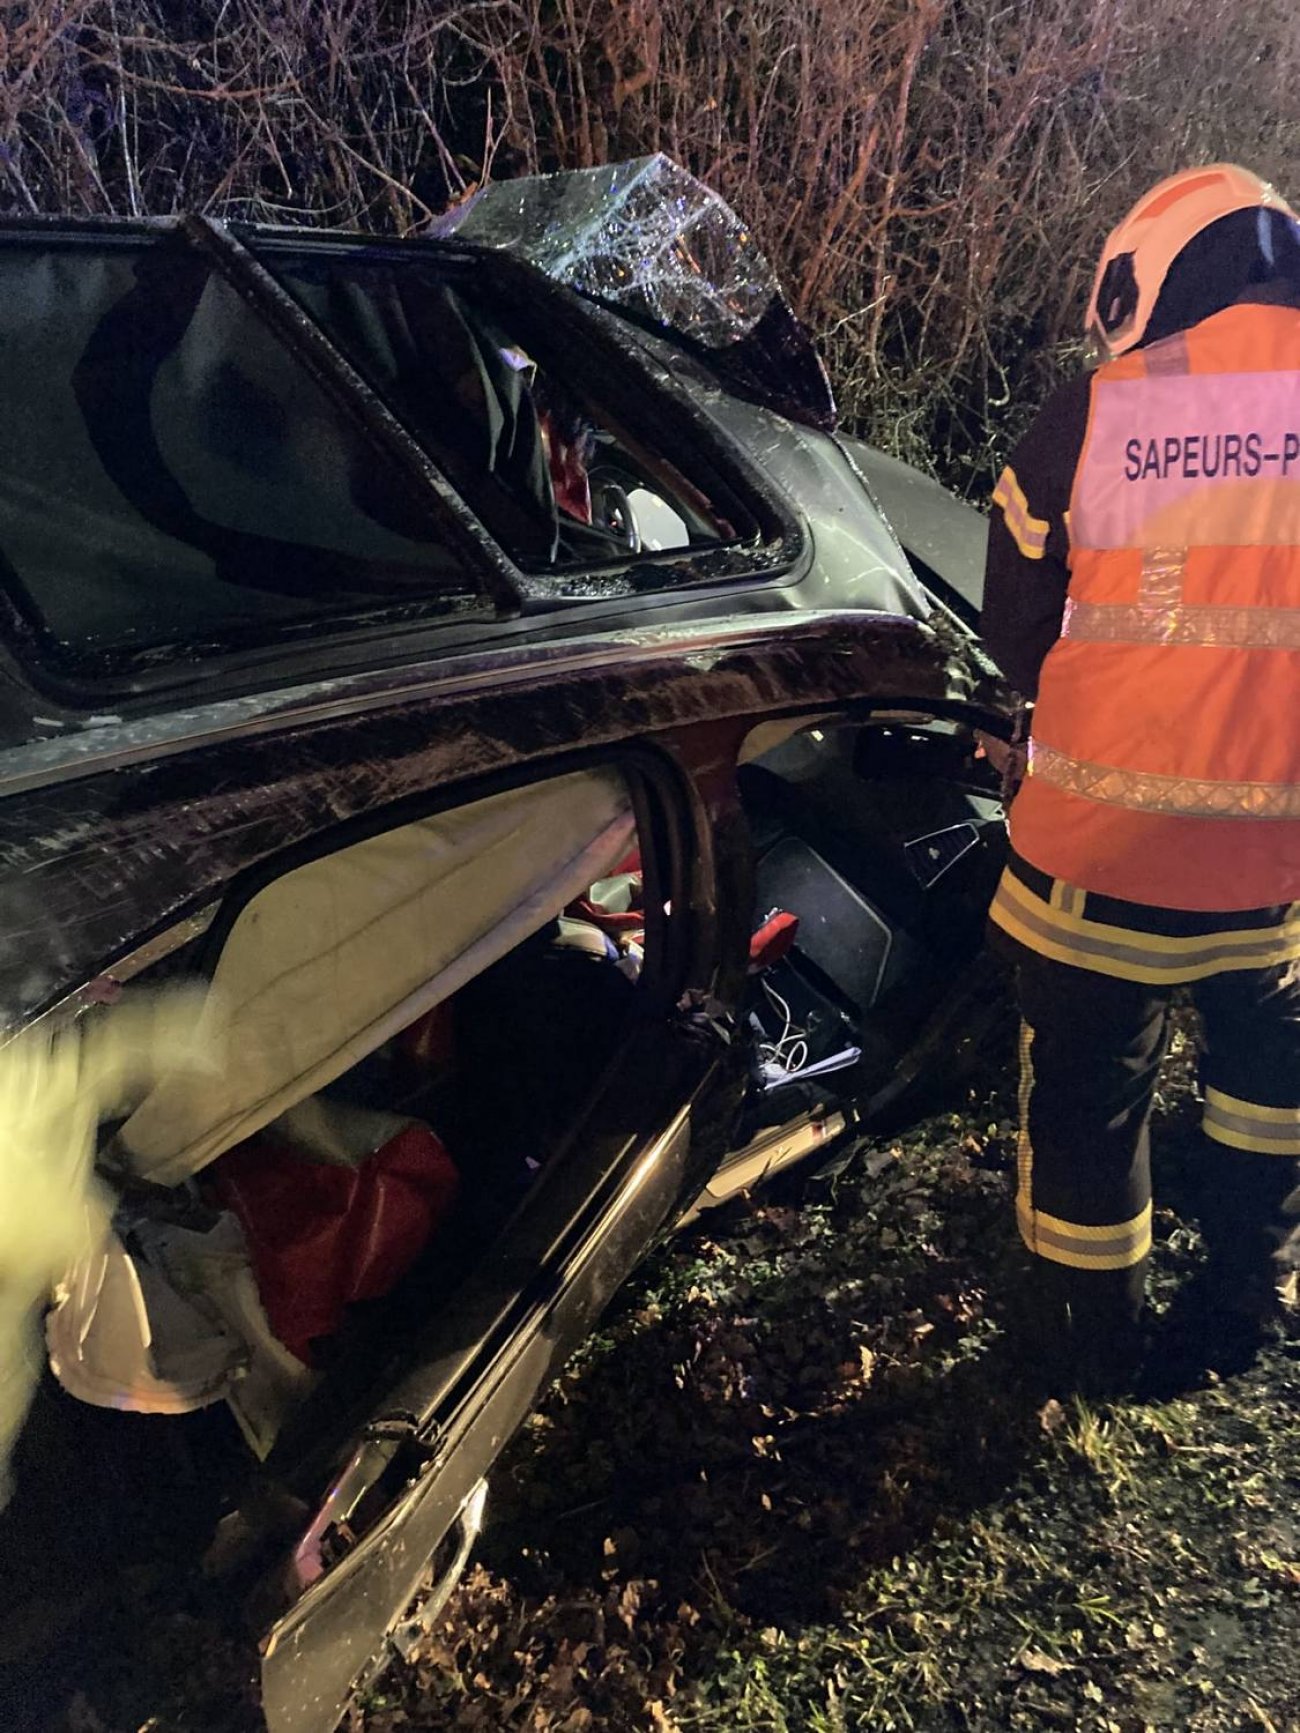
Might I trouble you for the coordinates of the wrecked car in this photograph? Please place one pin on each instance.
(479, 663)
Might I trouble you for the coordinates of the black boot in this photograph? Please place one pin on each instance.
(1240, 1304)
(1082, 1333)
(1243, 1300)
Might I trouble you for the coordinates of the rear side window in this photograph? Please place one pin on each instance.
(173, 479)
(560, 479)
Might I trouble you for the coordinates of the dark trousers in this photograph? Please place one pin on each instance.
(1091, 1055)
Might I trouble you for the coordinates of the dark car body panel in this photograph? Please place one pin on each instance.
(811, 543)
(140, 807)
(103, 845)
(945, 539)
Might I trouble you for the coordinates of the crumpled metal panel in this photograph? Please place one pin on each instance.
(647, 236)
(92, 867)
(943, 532)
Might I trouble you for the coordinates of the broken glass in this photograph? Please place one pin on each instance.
(647, 236)
(643, 234)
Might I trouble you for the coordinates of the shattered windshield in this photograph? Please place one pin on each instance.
(643, 234)
(646, 236)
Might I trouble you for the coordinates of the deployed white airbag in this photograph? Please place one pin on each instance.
(320, 968)
(329, 961)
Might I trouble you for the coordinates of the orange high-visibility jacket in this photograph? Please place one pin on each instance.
(1165, 746)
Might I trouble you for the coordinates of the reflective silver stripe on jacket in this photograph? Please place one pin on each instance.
(1161, 616)
(1182, 623)
(1145, 791)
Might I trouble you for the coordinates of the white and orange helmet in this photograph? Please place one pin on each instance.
(1138, 253)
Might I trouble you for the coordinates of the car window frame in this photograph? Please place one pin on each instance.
(608, 358)
(499, 591)
(459, 1405)
(601, 1174)
(656, 795)
(488, 592)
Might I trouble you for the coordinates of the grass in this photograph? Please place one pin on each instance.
(795, 1484)
(799, 1448)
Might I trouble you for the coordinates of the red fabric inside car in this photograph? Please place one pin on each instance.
(568, 470)
(323, 1236)
(773, 940)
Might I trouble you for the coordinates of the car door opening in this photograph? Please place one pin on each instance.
(880, 842)
(402, 1033)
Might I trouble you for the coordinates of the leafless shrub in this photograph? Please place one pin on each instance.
(931, 177)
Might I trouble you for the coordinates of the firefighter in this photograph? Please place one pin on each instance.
(1143, 595)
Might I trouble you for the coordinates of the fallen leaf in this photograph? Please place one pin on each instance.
(1262, 1715)
(1035, 1661)
(1051, 1416)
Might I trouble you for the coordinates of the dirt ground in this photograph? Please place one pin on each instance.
(796, 1484)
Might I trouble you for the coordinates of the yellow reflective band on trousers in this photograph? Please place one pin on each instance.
(1055, 929)
(1025, 1149)
(1082, 1246)
(1115, 1246)
(1248, 1125)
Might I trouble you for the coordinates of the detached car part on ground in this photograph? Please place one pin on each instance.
(479, 660)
